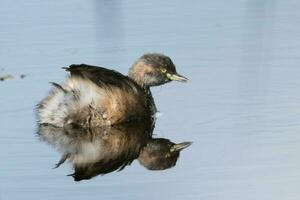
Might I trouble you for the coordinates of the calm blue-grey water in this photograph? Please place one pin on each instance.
(241, 107)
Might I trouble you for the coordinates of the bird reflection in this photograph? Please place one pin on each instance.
(101, 150)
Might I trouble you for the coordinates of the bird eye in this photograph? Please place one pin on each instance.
(163, 70)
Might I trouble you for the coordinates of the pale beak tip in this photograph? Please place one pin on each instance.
(178, 77)
(181, 78)
(180, 146)
(184, 79)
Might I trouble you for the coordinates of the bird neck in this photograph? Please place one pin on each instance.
(139, 79)
(150, 101)
(138, 72)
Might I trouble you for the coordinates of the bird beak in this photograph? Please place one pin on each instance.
(177, 77)
(180, 146)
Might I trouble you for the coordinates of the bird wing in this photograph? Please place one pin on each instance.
(102, 76)
(122, 98)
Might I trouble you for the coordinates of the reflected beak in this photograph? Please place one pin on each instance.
(180, 146)
(177, 77)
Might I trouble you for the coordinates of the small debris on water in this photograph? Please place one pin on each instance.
(22, 76)
(6, 77)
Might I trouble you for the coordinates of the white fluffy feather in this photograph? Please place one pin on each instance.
(79, 94)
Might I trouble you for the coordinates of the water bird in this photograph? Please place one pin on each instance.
(94, 96)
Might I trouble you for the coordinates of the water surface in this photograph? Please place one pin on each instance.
(241, 106)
